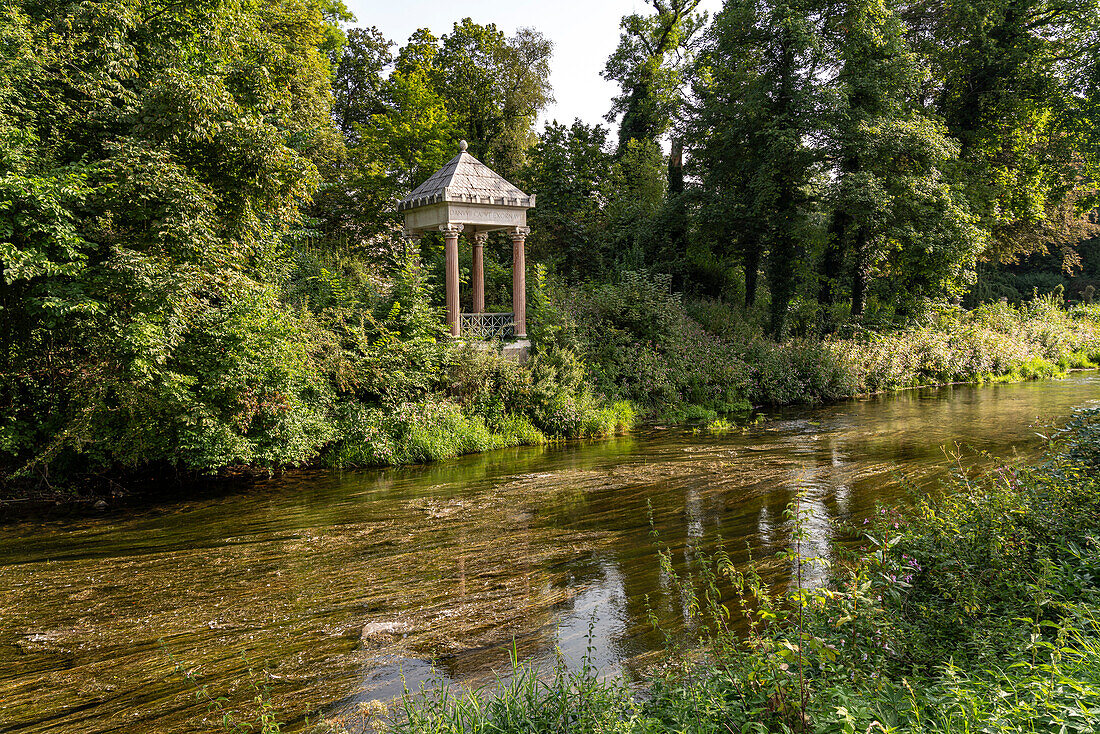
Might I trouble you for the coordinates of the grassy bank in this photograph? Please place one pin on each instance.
(976, 610)
(339, 367)
(680, 359)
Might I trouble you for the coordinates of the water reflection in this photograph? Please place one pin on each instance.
(333, 586)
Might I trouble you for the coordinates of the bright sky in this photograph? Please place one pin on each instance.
(584, 33)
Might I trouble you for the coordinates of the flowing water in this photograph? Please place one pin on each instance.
(334, 587)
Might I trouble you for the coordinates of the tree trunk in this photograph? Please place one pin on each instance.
(676, 168)
(832, 269)
(752, 275)
(861, 273)
(677, 216)
(782, 246)
(859, 290)
(832, 264)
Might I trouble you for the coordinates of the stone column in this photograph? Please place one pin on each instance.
(450, 247)
(480, 239)
(519, 281)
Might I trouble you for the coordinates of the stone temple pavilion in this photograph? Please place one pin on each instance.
(465, 196)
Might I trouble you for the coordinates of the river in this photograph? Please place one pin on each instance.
(332, 587)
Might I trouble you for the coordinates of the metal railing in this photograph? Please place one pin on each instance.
(487, 325)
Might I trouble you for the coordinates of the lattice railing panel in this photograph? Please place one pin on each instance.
(488, 325)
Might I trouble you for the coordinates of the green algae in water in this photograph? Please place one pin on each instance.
(332, 586)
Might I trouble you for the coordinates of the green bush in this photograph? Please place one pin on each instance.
(685, 361)
(415, 433)
(641, 345)
(236, 384)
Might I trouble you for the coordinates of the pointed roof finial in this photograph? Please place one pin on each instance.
(462, 146)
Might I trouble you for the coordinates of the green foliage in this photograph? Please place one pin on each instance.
(1014, 104)
(577, 701)
(199, 265)
(398, 132)
(359, 79)
(570, 169)
(152, 165)
(679, 361)
(407, 395)
(650, 65)
(894, 208)
(636, 195)
(403, 115)
(761, 97)
(907, 204)
(495, 87)
(642, 346)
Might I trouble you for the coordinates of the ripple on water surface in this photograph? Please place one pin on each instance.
(331, 587)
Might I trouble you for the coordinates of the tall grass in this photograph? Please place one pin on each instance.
(528, 700)
(488, 403)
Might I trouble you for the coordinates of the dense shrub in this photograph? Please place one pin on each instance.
(995, 341)
(641, 345)
(410, 395)
(150, 171)
(642, 342)
(338, 365)
(239, 383)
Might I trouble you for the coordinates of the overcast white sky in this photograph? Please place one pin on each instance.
(584, 33)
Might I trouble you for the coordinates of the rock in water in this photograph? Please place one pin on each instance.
(376, 630)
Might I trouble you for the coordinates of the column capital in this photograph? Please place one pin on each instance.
(480, 238)
(519, 233)
(451, 230)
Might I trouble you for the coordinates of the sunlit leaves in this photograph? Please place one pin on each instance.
(153, 156)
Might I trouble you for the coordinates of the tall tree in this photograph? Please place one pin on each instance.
(398, 132)
(636, 195)
(1010, 93)
(649, 63)
(357, 84)
(494, 88)
(155, 156)
(892, 198)
(570, 168)
(761, 100)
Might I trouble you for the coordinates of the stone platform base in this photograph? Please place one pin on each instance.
(517, 351)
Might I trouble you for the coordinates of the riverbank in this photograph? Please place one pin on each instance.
(680, 359)
(344, 373)
(974, 609)
(393, 391)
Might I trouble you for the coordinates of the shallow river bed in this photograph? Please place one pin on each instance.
(331, 586)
